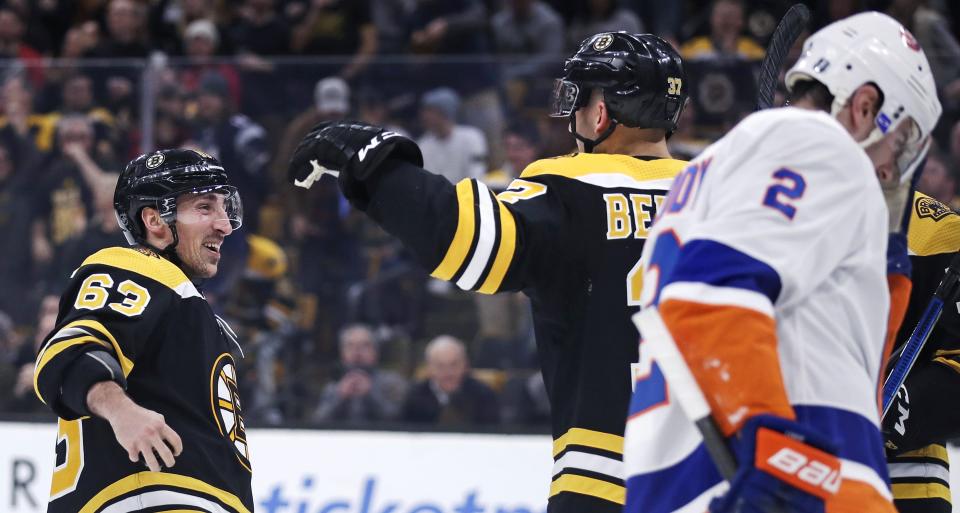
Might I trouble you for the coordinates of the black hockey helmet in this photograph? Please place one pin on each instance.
(641, 77)
(157, 179)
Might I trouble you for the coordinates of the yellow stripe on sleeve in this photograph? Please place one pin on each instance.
(55, 349)
(125, 363)
(508, 246)
(588, 486)
(588, 438)
(463, 238)
(906, 491)
(931, 451)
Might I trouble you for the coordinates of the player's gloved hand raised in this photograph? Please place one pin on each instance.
(352, 152)
(783, 467)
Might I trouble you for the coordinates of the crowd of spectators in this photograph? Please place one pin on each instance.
(340, 324)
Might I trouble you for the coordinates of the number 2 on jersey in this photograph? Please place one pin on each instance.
(788, 185)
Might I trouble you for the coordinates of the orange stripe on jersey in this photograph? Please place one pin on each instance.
(732, 353)
(899, 286)
(858, 497)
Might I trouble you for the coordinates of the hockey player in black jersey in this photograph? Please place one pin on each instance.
(138, 368)
(568, 232)
(922, 417)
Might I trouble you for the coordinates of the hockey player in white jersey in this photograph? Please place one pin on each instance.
(767, 268)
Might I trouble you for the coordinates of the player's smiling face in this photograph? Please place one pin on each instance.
(202, 225)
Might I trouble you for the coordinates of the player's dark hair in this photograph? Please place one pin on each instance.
(816, 92)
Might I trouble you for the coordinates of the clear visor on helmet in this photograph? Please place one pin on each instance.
(566, 97)
(205, 204)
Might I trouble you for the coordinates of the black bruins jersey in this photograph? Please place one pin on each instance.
(569, 233)
(177, 361)
(919, 469)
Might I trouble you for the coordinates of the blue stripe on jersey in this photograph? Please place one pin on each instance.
(714, 263)
(898, 258)
(856, 438)
(673, 487)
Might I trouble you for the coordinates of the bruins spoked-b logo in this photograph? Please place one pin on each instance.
(929, 207)
(154, 161)
(225, 402)
(602, 42)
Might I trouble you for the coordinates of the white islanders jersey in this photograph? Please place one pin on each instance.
(783, 217)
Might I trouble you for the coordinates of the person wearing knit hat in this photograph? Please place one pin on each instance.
(456, 151)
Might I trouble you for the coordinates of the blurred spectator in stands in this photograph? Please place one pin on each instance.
(170, 18)
(234, 139)
(331, 101)
(16, 181)
(504, 320)
(938, 180)
(726, 39)
(933, 32)
(601, 16)
(258, 34)
(49, 21)
(201, 39)
(13, 47)
(452, 39)
(660, 17)
(20, 125)
(335, 28)
(450, 395)
(101, 232)
(361, 392)
(260, 309)
(373, 108)
(525, 401)
(450, 149)
(521, 143)
(77, 98)
(391, 298)
(529, 34)
(240, 145)
(170, 125)
(125, 38)
(390, 18)
(64, 193)
(21, 398)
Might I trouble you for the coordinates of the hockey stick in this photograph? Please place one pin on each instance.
(946, 292)
(788, 30)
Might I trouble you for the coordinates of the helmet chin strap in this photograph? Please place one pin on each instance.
(589, 144)
(170, 251)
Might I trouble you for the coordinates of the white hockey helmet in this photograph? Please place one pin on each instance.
(872, 47)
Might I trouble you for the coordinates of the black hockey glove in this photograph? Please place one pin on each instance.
(350, 151)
